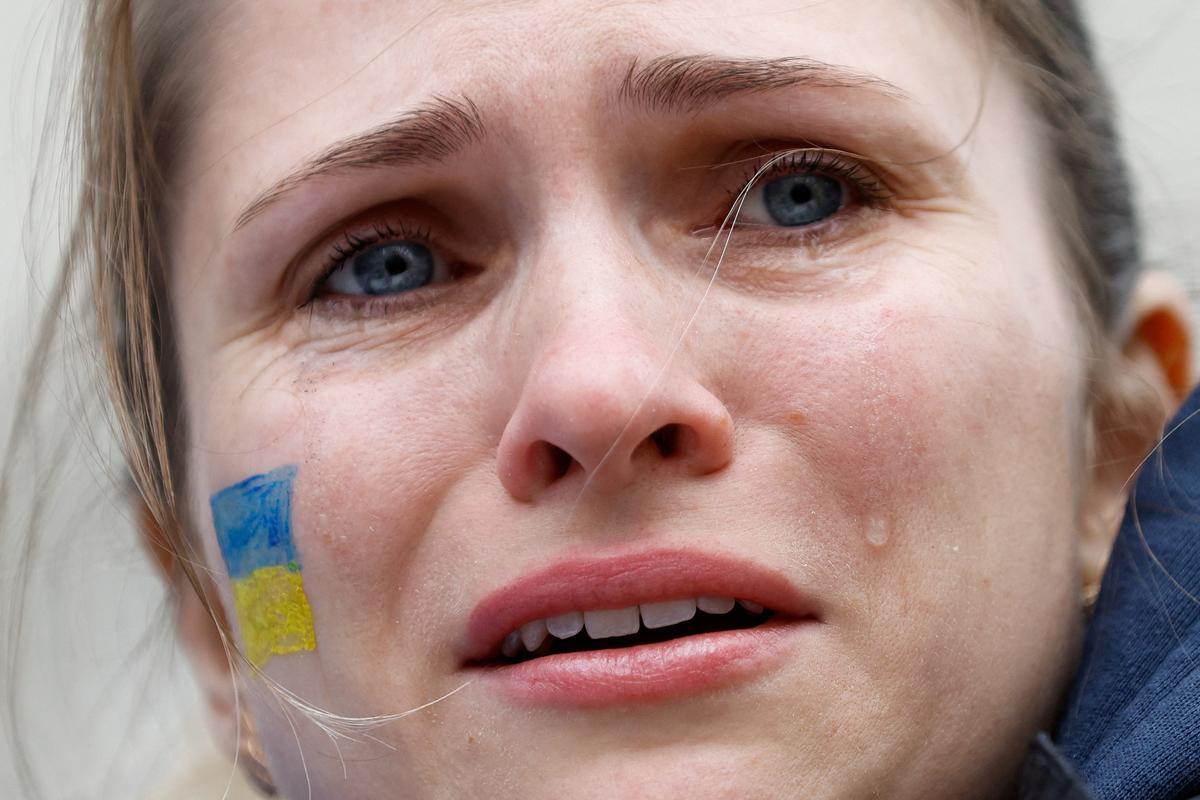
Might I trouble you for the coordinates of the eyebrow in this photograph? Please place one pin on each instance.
(431, 132)
(441, 127)
(690, 83)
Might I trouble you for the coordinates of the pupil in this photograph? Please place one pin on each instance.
(395, 264)
(801, 194)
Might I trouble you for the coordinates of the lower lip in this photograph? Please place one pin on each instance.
(649, 672)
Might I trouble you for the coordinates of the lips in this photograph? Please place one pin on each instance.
(586, 584)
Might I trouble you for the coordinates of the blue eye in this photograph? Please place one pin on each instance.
(389, 267)
(802, 199)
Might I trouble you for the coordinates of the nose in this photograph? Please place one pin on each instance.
(603, 411)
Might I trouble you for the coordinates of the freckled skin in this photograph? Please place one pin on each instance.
(917, 365)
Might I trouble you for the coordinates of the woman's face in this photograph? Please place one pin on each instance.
(455, 264)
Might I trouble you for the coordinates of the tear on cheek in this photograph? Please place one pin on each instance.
(253, 521)
(891, 431)
(941, 405)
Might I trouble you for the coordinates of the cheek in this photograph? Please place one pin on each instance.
(381, 449)
(375, 450)
(233, 420)
(878, 411)
(378, 454)
(936, 420)
(897, 399)
(925, 459)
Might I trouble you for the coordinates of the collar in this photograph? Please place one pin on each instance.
(1047, 775)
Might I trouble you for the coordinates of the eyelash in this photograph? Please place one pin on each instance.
(866, 185)
(867, 188)
(351, 243)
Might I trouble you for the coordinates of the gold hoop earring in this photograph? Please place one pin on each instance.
(252, 759)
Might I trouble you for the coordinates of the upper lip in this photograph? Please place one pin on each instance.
(584, 584)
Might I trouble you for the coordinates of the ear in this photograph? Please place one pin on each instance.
(1150, 380)
(1161, 343)
(198, 631)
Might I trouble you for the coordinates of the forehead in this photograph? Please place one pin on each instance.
(284, 78)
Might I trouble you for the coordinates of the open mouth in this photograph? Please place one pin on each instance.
(622, 628)
(646, 627)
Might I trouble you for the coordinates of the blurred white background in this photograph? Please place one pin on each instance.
(95, 629)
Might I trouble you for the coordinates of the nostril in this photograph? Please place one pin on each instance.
(666, 439)
(561, 460)
(554, 461)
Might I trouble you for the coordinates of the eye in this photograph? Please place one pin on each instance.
(803, 188)
(382, 262)
(793, 201)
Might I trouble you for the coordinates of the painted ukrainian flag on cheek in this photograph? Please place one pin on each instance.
(254, 529)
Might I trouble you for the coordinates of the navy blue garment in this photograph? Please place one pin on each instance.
(1046, 775)
(1131, 723)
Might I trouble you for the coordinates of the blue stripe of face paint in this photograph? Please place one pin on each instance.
(254, 522)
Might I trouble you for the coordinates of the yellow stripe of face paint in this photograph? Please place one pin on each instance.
(274, 613)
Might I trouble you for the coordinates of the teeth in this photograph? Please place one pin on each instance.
(606, 623)
(611, 622)
(715, 605)
(564, 626)
(533, 634)
(671, 612)
(512, 644)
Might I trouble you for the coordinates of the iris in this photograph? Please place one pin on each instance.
(393, 267)
(803, 199)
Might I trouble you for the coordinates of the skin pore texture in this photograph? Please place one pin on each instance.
(885, 407)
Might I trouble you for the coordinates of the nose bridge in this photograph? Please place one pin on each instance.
(591, 262)
(589, 283)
